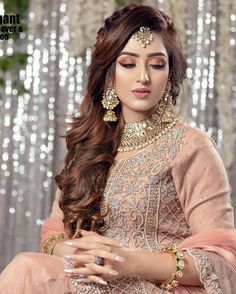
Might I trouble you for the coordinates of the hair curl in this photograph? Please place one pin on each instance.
(91, 143)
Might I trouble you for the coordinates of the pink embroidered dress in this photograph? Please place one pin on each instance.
(174, 190)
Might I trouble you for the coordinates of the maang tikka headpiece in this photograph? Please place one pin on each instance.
(143, 36)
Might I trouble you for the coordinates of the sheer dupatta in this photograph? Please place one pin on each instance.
(217, 248)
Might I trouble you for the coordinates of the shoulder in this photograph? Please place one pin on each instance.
(194, 141)
(194, 135)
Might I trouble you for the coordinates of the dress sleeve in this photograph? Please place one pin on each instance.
(53, 225)
(203, 189)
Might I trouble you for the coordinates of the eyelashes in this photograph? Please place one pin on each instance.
(131, 65)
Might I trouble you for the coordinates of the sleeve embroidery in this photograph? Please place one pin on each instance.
(206, 271)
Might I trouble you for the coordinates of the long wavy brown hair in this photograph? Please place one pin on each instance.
(92, 143)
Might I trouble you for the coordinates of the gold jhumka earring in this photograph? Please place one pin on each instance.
(166, 106)
(110, 101)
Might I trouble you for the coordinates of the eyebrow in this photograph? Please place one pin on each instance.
(137, 55)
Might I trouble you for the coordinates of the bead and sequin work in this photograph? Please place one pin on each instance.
(144, 209)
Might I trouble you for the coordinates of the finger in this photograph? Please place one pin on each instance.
(107, 255)
(90, 257)
(79, 271)
(80, 259)
(90, 278)
(83, 280)
(101, 239)
(101, 269)
(87, 245)
(87, 233)
(96, 279)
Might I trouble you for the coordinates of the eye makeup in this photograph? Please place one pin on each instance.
(132, 65)
(154, 61)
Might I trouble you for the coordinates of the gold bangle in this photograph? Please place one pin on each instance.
(51, 242)
(179, 266)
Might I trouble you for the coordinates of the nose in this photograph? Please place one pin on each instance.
(144, 76)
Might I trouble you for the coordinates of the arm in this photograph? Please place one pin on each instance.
(202, 185)
(203, 189)
(53, 226)
(145, 264)
(53, 235)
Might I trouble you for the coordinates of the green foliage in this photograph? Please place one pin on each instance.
(2, 82)
(17, 60)
(17, 7)
(13, 64)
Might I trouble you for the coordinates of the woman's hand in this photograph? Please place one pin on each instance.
(117, 261)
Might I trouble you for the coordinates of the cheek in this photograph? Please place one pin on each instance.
(161, 81)
(121, 80)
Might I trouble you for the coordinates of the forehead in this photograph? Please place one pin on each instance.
(156, 46)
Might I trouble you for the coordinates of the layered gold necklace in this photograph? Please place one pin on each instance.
(140, 134)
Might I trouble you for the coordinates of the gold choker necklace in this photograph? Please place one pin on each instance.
(140, 134)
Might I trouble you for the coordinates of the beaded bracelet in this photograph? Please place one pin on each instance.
(180, 264)
(51, 242)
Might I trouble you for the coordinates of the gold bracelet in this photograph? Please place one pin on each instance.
(51, 242)
(180, 264)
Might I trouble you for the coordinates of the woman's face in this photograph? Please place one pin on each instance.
(138, 67)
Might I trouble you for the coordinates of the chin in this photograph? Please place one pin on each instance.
(142, 108)
(139, 106)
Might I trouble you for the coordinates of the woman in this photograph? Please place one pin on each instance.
(143, 203)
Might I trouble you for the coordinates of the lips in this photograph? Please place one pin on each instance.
(141, 92)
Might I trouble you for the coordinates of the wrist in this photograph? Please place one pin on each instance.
(126, 268)
(49, 244)
(158, 266)
(133, 263)
(58, 248)
(178, 256)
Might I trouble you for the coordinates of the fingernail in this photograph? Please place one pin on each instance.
(102, 282)
(120, 258)
(68, 271)
(69, 243)
(67, 256)
(114, 273)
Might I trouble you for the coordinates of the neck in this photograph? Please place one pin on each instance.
(136, 116)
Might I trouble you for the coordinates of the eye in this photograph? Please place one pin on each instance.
(158, 66)
(128, 65)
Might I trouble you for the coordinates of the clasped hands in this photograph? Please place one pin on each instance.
(119, 261)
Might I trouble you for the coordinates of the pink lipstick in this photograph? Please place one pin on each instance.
(141, 92)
